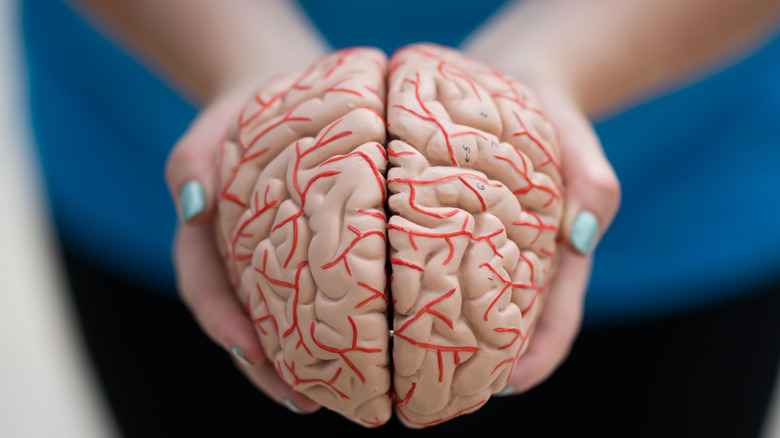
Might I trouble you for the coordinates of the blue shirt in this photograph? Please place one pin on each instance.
(699, 167)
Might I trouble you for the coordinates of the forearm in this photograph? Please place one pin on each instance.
(203, 46)
(607, 53)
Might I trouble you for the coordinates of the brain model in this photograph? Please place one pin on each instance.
(400, 275)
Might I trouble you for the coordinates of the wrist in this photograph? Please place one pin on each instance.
(257, 61)
(548, 78)
(515, 43)
(276, 39)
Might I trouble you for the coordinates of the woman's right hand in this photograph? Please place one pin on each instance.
(191, 173)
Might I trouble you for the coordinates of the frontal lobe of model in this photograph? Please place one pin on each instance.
(476, 202)
(452, 247)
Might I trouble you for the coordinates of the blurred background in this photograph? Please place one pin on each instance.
(47, 386)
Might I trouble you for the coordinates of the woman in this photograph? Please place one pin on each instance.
(677, 287)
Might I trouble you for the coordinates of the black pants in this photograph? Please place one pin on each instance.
(708, 374)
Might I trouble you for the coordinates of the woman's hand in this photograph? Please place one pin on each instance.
(590, 58)
(530, 40)
(191, 173)
(591, 201)
(203, 49)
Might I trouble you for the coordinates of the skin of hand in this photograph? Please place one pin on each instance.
(201, 277)
(217, 53)
(592, 197)
(585, 59)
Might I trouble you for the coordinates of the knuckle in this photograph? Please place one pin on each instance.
(204, 310)
(180, 157)
(209, 324)
(189, 299)
(557, 345)
(563, 348)
(607, 185)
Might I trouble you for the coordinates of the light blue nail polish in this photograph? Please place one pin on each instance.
(508, 390)
(291, 405)
(192, 199)
(583, 232)
(240, 356)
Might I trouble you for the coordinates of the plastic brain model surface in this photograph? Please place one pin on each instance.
(446, 235)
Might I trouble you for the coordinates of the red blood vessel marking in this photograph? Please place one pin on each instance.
(533, 138)
(343, 351)
(411, 182)
(439, 349)
(225, 193)
(376, 294)
(515, 97)
(322, 141)
(295, 327)
(429, 117)
(399, 401)
(513, 361)
(507, 284)
(343, 255)
(335, 88)
(396, 261)
(539, 225)
(261, 318)
(259, 211)
(445, 67)
(377, 175)
(531, 185)
(329, 383)
(448, 236)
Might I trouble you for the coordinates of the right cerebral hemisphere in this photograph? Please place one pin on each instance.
(391, 228)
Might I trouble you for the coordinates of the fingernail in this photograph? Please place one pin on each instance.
(240, 356)
(508, 390)
(583, 232)
(192, 199)
(292, 406)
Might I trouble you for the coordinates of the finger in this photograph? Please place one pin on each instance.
(207, 292)
(205, 289)
(264, 376)
(191, 168)
(557, 326)
(592, 188)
